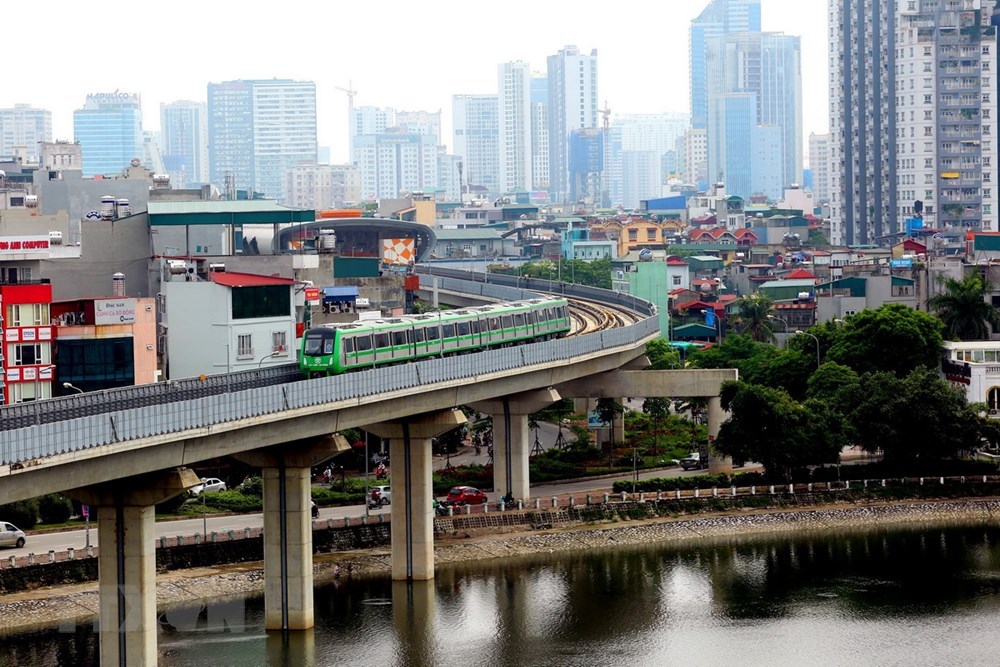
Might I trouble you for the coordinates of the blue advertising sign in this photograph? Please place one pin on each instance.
(902, 263)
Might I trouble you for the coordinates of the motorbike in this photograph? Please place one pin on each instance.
(315, 511)
(375, 501)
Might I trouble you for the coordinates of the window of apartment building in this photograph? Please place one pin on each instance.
(14, 275)
(244, 346)
(676, 281)
(650, 234)
(279, 341)
(633, 234)
(29, 355)
(27, 314)
(23, 392)
(261, 301)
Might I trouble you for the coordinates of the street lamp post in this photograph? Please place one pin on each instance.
(783, 321)
(273, 354)
(805, 333)
(67, 385)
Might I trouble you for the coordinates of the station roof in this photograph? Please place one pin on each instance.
(225, 212)
(236, 279)
(335, 292)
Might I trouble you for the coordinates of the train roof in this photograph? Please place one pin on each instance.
(438, 316)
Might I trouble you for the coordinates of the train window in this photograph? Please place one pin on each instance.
(508, 321)
(314, 344)
(449, 331)
(349, 345)
(530, 316)
(463, 329)
(363, 343)
(418, 335)
(519, 319)
(494, 323)
(433, 333)
(399, 337)
(474, 324)
(562, 312)
(381, 340)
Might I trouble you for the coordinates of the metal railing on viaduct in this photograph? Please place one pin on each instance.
(33, 431)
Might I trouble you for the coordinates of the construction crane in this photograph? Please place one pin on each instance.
(351, 92)
(605, 119)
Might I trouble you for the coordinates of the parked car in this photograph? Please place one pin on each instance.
(465, 495)
(11, 535)
(693, 461)
(379, 495)
(208, 485)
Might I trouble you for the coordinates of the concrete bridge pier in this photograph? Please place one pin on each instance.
(127, 564)
(288, 549)
(511, 438)
(716, 415)
(412, 489)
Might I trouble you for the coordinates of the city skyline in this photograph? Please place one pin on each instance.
(240, 51)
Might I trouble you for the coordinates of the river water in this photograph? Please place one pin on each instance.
(920, 596)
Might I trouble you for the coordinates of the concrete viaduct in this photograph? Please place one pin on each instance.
(144, 456)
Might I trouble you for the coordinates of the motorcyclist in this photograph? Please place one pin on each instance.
(376, 498)
(315, 510)
(380, 472)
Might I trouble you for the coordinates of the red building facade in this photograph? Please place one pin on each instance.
(27, 331)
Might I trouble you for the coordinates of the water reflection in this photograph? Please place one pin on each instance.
(847, 598)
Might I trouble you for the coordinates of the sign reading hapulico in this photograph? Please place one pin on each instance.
(114, 311)
(20, 245)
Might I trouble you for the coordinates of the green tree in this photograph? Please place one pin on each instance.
(656, 407)
(891, 338)
(963, 308)
(834, 385)
(661, 355)
(768, 426)
(55, 508)
(608, 409)
(915, 419)
(22, 513)
(753, 317)
(738, 351)
(789, 370)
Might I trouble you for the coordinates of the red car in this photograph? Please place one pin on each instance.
(465, 495)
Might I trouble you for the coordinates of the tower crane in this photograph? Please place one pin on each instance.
(351, 92)
(605, 119)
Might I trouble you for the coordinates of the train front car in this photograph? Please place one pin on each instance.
(319, 352)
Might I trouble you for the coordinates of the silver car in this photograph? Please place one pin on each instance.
(11, 535)
(208, 485)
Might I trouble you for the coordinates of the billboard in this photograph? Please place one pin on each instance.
(20, 245)
(399, 251)
(114, 311)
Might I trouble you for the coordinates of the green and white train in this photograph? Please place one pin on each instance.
(337, 348)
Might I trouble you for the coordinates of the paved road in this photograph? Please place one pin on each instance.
(41, 544)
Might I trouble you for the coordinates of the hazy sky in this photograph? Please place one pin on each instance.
(408, 55)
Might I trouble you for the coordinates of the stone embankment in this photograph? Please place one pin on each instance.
(69, 605)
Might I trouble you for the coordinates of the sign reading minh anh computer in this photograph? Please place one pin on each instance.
(24, 245)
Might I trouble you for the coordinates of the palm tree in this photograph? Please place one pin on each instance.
(963, 308)
(753, 317)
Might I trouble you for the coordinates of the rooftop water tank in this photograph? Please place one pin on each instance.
(107, 207)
